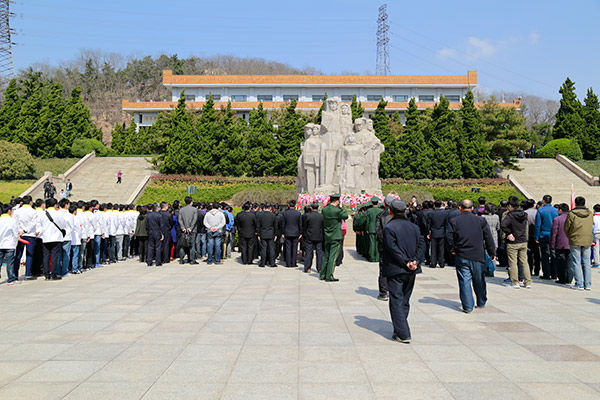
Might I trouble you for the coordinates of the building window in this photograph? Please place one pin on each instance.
(318, 97)
(238, 97)
(453, 98)
(190, 97)
(347, 97)
(400, 97)
(140, 121)
(374, 97)
(290, 97)
(426, 98)
(216, 97)
(264, 97)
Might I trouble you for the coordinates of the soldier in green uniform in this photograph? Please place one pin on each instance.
(374, 211)
(332, 226)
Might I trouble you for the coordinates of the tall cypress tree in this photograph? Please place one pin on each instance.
(590, 142)
(50, 139)
(207, 138)
(289, 137)
(182, 156)
(118, 138)
(76, 123)
(381, 124)
(320, 112)
(569, 119)
(443, 142)
(29, 121)
(262, 155)
(357, 110)
(228, 154)
(473, 151)
(414, 154)
(9, 113)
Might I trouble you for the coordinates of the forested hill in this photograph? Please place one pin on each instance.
(106, 78)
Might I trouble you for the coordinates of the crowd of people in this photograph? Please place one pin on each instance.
(57, 238)
(550, 241)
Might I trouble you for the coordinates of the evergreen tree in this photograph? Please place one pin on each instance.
(473, 151)
(228, 151)
(504, 130)
(262, 155)
(136, 140)
(357, 110)
(29, 121)
(50, 141)
(590, 141)
(381, 124)
(290, 135)
(182, 156)
(414, 155)
(9, 113)
(569, 119)
(207, 139)
(118, 138)
(443, 141)
(76, 123)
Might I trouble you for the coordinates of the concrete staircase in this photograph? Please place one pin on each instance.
(541, 176)
(97, 179)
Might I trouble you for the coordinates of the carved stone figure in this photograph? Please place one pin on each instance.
(339, 156)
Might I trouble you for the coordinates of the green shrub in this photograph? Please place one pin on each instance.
(82, 147)
(567, 147)
(262, 195)
(15, 161)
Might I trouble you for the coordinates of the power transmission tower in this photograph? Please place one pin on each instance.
(7, 65)
(383, 43)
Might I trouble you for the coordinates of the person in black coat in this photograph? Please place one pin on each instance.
(291, 230)
(267, 222)
(380, 222)
(247, 226)
(155, 226)
(403, 249)
(436, 221)
(167, 225)
(313, 237)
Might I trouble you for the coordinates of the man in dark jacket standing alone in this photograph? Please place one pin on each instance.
(515, 226)
(437, 234)
(380, 222)
(468, 237)
(291, 229)
(155, 226)
(403, 248)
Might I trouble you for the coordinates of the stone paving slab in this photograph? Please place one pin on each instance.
(129, 331)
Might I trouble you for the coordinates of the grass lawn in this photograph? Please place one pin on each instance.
(13, 188)
(55, 165)
(590, 166)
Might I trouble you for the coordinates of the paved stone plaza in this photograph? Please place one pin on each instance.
(231, 331)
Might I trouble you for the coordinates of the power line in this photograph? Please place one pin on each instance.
(383, 43)
(7, 65)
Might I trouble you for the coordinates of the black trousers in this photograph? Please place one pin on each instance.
(312, 246)
(166, 248)
(533, 256)
(247, 246)
(437, 251)
(142, 248)
(563, 272)
(37, 269)
(291, 251)
(267, 252)
(155, 251)
(51, 255)
(383, 286)
(340, 256)
(88, 260)
(400, 290)
(548, 267)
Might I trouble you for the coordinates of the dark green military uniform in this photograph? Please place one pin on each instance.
(373, 250)
(332, 226)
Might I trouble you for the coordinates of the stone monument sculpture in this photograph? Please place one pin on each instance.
(339, 156)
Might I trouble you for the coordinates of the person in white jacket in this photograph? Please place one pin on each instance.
(96, 225)
(214, 221)
(9, 234)
(65, 259)
(53, 229)
(76, 238)
(120, 229)
(29, 227)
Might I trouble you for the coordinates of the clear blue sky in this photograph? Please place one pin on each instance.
(529, 46)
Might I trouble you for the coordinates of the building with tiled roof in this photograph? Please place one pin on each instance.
(275, 91)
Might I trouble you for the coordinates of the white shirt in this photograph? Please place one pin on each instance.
(78, 229)
(106, 223)
(9, 233)
(51, 233)
(27, 220)
(69, 224)
(96, 222)
(116, 223)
